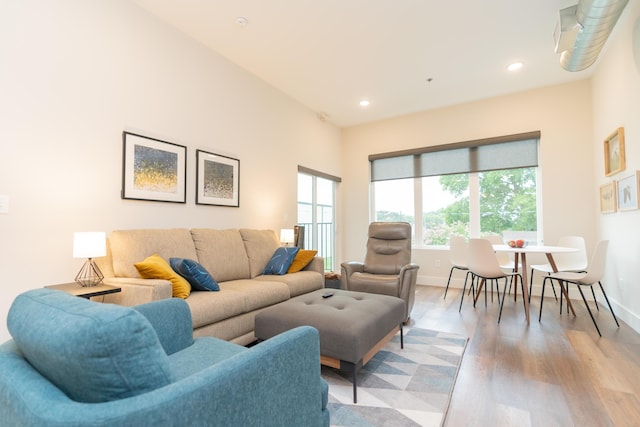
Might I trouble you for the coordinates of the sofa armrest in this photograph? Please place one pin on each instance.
(171, 319)
(136, 291)
(274, 383)
(316, 264)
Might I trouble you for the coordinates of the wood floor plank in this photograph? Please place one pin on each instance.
(556, 372)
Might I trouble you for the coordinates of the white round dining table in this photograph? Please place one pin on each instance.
(520, 257)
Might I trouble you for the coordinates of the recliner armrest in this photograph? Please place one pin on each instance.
(347, 269)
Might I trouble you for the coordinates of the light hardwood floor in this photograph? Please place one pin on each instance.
(558, 372)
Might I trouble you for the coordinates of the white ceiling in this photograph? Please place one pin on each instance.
(330, 54)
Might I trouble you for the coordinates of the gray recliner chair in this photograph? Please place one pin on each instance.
(387, 268)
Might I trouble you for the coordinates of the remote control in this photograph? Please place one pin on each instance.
(327, 294)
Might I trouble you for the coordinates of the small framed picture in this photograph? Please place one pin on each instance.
(628, 192)
(608, 198)
(614, 157)
(217, 180)
(153, 169)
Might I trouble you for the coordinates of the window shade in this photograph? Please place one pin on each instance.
(505, 152)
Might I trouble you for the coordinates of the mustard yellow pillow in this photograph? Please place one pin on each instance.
(303, 257)
(155, 267)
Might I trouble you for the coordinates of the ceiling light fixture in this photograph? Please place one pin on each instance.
(515, 66)
(242, 21)
(365, 103)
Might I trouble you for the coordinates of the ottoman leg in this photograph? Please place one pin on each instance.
(354, 368)
(401, 337)
(355, 386)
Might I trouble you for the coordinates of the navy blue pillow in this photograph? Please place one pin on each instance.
(195, 273)
(281, 260)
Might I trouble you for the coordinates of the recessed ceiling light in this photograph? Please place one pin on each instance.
(242, 21)
(365, 103)
(515, 66)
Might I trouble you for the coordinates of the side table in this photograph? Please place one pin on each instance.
(86, 292)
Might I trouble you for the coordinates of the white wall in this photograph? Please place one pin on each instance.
(561, 113)
(616, 102)
(74, 75)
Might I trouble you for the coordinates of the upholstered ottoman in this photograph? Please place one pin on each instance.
(353, 326)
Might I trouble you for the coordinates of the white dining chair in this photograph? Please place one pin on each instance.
(457, 258)
(565, 261)
(506, 260)
(484, 265)
(587, 278)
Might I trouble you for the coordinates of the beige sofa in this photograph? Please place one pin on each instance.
(235, 259)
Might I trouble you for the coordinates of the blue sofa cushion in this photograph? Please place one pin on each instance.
(93, 352)
(281, 260)
(197, 276)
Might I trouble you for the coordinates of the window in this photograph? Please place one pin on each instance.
(471, 189)
(316, 212)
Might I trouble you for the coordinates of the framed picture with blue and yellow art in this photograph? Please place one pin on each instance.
(217, 180)
(153, 169)
(628, 192)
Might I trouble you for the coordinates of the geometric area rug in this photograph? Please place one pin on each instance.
(399, 387)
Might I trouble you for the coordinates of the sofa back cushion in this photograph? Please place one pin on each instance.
(221, 253)
(260, 246)
(131, 246)
(92, 352)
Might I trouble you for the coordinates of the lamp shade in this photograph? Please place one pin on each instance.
(286, 235)
(90, 244)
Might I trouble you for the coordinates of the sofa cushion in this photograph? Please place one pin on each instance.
(197, 276)
(130, 246)
(298, 283)
(155, 267)
(302, 259)
(281, 260)
(260, 246)
(92, 352)
(222, 253)
(203, 353)
(236, 297)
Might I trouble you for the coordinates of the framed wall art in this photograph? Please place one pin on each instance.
(614, 157)
(628, 192)
(153, 169)
(217, 180)
(608, 197)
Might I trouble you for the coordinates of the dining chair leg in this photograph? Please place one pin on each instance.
(609, 304)
(589, 310)
(504, 295)
(464, 288)
(593, 292)
(448, 281)
(544, 283)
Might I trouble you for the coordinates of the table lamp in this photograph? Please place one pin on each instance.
(89, 245)
(286, 236)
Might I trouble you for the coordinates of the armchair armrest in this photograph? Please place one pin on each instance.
(171, 319)
(407, 284)
(347, 269)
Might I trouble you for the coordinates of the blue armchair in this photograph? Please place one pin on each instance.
(74, 362)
